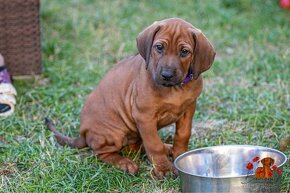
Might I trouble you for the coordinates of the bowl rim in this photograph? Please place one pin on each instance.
(217, 146)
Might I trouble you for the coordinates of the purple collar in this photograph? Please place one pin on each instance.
(4, 75)
(188, 78)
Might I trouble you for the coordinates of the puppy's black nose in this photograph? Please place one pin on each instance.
(167, 74)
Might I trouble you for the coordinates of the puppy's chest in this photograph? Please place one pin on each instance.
(171, 112)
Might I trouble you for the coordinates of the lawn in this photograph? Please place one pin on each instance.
(245, 98)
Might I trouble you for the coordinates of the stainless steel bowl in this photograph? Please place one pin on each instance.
(224, 169)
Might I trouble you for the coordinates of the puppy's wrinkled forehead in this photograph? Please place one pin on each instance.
(174, 30)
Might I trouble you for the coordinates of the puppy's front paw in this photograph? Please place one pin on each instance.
(164, 168)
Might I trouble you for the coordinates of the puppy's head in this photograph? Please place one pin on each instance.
(172, 48)
(267, 161)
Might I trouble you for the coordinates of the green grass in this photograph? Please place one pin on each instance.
(246, 90)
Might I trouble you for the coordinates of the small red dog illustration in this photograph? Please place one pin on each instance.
(265, 171)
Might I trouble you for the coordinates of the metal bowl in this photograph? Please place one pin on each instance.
(229, 168)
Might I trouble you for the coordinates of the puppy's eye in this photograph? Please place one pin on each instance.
(159, 48)
(184, 52)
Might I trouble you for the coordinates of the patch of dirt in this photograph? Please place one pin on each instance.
(2, 141)
(4, 172)
(269, 134)
(202, 129)
(7, 169)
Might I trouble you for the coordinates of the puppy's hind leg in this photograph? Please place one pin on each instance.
(107, 149)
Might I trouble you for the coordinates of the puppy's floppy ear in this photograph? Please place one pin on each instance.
(272, 161)
(204, 53)
(145, 40)
(263, 161)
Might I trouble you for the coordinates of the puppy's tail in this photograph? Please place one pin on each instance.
(63, 140)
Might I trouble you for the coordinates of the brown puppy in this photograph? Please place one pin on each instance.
(265, 171)
(144, 93)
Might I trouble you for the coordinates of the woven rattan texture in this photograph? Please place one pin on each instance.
(20, 36)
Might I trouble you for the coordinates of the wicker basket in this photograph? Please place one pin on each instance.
(20, 36)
